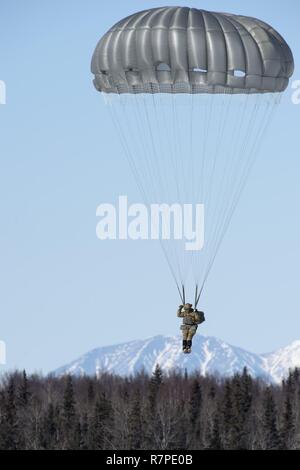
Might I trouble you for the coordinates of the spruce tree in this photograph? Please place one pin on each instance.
(69, 401)
(246, 391)
(77, 437)
(296, 375)
(194, 410)
(49, 429)
(91, 392)
(154, 386)
(23, 392)
(9, 427)
(212, 393)
(269, 424)
(183, 437)
(157, 376)
(100, 429)
(214, 439)
(195, 403)
(135, 431)
(69, 420)
(227, 417)
(242, 400)
(288, 425)
(2, 420)
(84, 432)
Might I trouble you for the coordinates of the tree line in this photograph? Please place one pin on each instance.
(162, 412)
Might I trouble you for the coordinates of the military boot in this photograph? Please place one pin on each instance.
(184, 345)
(188, 346)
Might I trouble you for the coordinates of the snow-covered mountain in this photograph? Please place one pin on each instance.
(279, 362)
(210, 355)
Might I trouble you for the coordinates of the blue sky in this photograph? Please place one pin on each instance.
(63, 291)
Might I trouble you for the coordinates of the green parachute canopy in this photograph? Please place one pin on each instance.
(175, 49)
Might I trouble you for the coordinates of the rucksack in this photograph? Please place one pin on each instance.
(200, 318)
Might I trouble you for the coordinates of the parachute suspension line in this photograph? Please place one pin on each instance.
(138, 179)
(219, 173)
(231, 157)
(203, 158)
(265, 124)
(199, 295)
(135, 172)
(180, 294)
(194, 186)
(183, 164)
(194, 162)
(171, 245)
(196, 297)
(171, 147)
(178, 254)
(170, 267)
(205, 145)
(156, 164)
(223, 116)
(152, 141)
(151, 154)
(182, 151)
(127, 151)
(266, 121)
(163, 154)
(226, 182)
(250, 132)
(177, 146)
(161, 146)
(191, 145)
(183, 293)
(218, 146)
(225, 219)
(181, 155)
(132, 164)
(220, 207)
(207, 180)
(145, 155)
(175, 149)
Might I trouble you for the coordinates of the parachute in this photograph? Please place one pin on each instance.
(191, 94)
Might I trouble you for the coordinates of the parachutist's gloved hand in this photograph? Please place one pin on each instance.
(180, 307)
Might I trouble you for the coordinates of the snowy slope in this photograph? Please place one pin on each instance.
(210, 355)
(279, 362)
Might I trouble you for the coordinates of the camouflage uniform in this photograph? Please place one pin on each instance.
(191, 319)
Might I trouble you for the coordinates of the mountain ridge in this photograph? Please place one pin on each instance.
(210, 355)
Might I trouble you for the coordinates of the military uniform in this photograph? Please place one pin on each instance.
(191, 319)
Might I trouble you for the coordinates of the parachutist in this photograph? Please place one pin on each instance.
(191, 319)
